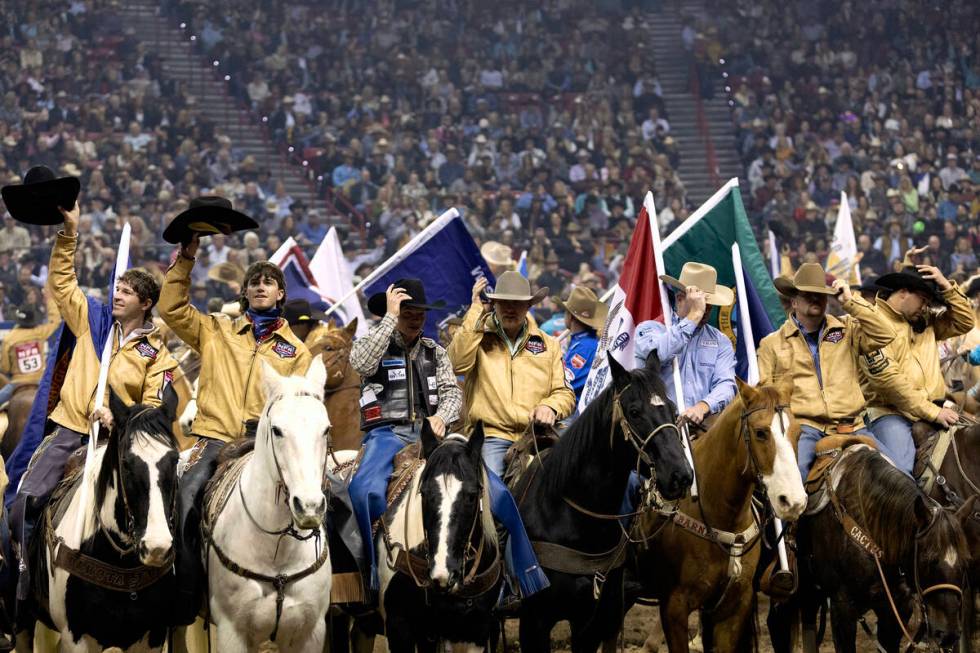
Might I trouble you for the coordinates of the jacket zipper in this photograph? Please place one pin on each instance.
(248, 380)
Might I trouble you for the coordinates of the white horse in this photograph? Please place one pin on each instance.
(269, 569)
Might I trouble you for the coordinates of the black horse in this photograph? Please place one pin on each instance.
(569, 501)
(921, 549)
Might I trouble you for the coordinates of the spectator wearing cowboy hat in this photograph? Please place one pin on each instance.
(25, 347)
(498, 256)
(705, 354)
(406, 379)
(305, 320)
(585, 316)
(903, 381)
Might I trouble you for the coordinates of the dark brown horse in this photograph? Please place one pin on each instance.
(18, 410)
(884, 547)
(343, 389)
(705, 555)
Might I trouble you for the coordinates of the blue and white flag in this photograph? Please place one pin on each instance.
(300, 283)
(522, 264)
(447, 261)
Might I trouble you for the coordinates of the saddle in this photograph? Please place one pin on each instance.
(830, 451)
(533, 442)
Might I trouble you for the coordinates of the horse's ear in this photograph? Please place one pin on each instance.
(271, 379)
(118, 408)
(621, 378)
(317, 373)
(784, 385)
(747, 392)
(653, 361)
(476, 440)
(923, 511)
(351, 328)
(169, 403)
(965, 512)
(429, 439)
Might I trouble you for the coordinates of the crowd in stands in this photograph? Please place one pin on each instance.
(880, 100)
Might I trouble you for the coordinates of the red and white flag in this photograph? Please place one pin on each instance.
(637, 298)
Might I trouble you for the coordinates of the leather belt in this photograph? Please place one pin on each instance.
(846, 429)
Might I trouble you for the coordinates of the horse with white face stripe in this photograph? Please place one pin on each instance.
(127, 527)
(707, 557)
(443, 520)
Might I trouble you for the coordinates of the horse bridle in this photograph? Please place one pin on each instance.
(920, 594)
(630, 434)
(342, 353)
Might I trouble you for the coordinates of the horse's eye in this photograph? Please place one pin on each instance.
(635, 412)
(326, 432)
(762, 434)
(276, 431)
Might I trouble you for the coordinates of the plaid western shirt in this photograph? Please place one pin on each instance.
(367, 351)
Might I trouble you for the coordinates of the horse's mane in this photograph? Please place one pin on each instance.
(588, 436)
(143, 422)
(883, 499)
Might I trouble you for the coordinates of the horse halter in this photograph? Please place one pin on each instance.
(919, 608)
(335, 354)
(629, 433)
(744, 431)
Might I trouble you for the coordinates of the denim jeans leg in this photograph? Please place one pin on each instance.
(806, 448)
(894, 436)
(494, 450)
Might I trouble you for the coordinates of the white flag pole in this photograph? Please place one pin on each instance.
(88, 474)
(745, 332)
(397, 257)
(773, 255)
(658, 257)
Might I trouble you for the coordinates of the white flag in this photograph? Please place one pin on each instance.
(333, 279)
(843, 259)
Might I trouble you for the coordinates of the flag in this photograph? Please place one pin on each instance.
(300, 283)
(522, 264)
(707, 237)
(635, 299)
(332, 276)
(447, 261)
(842, 260)
(773, 255)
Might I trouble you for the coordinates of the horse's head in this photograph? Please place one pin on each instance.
(292, 440)
(137, 483)
(941, 558)
(647, 421)
(334, 349)
(452, 489)
(766, 422)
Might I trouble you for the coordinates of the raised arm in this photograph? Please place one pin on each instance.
(68, 297)
(466, 343)
(175, 299)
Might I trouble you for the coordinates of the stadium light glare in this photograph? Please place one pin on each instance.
(227, 78)
(193, 38)
(725, 75)
(215, 62)
(183, 26)
(306, 163)
(728, 89)
(291, 148)
(721, 61)
(265, 118)
(319, 177)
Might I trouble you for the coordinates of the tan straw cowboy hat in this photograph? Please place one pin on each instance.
(227, 272)
(513, 287)
(704, 278)
(497, 254)
(809, 278)
(586, 307)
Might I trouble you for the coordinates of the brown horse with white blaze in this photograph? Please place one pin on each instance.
(343, 388)
(705, 554)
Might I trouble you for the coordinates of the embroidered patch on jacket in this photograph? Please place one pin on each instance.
(834, 336)
(146, 350)
(372, 413)
(569, 376)
(284, 349)
(578, 361)
(535, 345)
(877, 362)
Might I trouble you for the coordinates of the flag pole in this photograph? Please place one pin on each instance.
(702, 211)
(397, 257)
(658, 257)
(745, 332)
(88, 474)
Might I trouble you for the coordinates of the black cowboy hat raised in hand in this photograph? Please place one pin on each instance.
(209, 214)
(39, 198)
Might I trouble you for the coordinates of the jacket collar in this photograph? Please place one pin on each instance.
(888, 312)
(790, 329)
(242, 324)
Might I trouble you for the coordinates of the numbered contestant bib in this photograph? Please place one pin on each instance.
(29, 358)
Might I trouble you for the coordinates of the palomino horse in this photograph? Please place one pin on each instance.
(114, 585)
(264, 533)
(881, 545)
(443, 570)
(705, 553)
(343, 389)
(570, 496)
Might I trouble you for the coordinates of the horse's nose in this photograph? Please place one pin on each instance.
(790, 507)
(153, 556)
(677, 484)
(309, 512)
(945, 639)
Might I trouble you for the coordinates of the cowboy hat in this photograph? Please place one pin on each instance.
(972, 285)
(809, 278)
(513, 287)
(227, 272)
(209, 214)
(378, 302)
(585, 307)
(36, 201)
(298, 311)
(704, 278)
(912, 280)
(497, 254)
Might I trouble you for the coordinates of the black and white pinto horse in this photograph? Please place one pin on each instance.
(445, 585)
(569, 499)
(112, 584)
(269, 571)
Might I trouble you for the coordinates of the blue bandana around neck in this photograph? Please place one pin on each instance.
(263, 322)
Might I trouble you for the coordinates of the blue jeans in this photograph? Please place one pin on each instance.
(6, 392)
(894, 436)
(494, 450)
(807, 445)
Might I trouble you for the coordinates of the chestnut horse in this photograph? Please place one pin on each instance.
(705, 554)
(343, 388)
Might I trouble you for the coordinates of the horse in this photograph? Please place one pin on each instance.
(706, 552)
(343, 388)
(18, 410)
(444, 568)
(112, 584)
(185, 384)
(264, 534)
(881, 545)
(569, 498)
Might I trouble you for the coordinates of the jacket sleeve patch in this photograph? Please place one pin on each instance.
(283, 349)
(146, 350)
(577, 361)
(535, 345)
(876, 361)
(834, 336)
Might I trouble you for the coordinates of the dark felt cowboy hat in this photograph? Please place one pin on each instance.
(378, 302)
(209, 214)
(299, 311)
(911, 279)
(37, 200)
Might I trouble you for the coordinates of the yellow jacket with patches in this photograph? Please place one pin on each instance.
(24, 350)
(501, 389)
(838, 399)
(229, 388)
(138, 370)
(904, 377)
